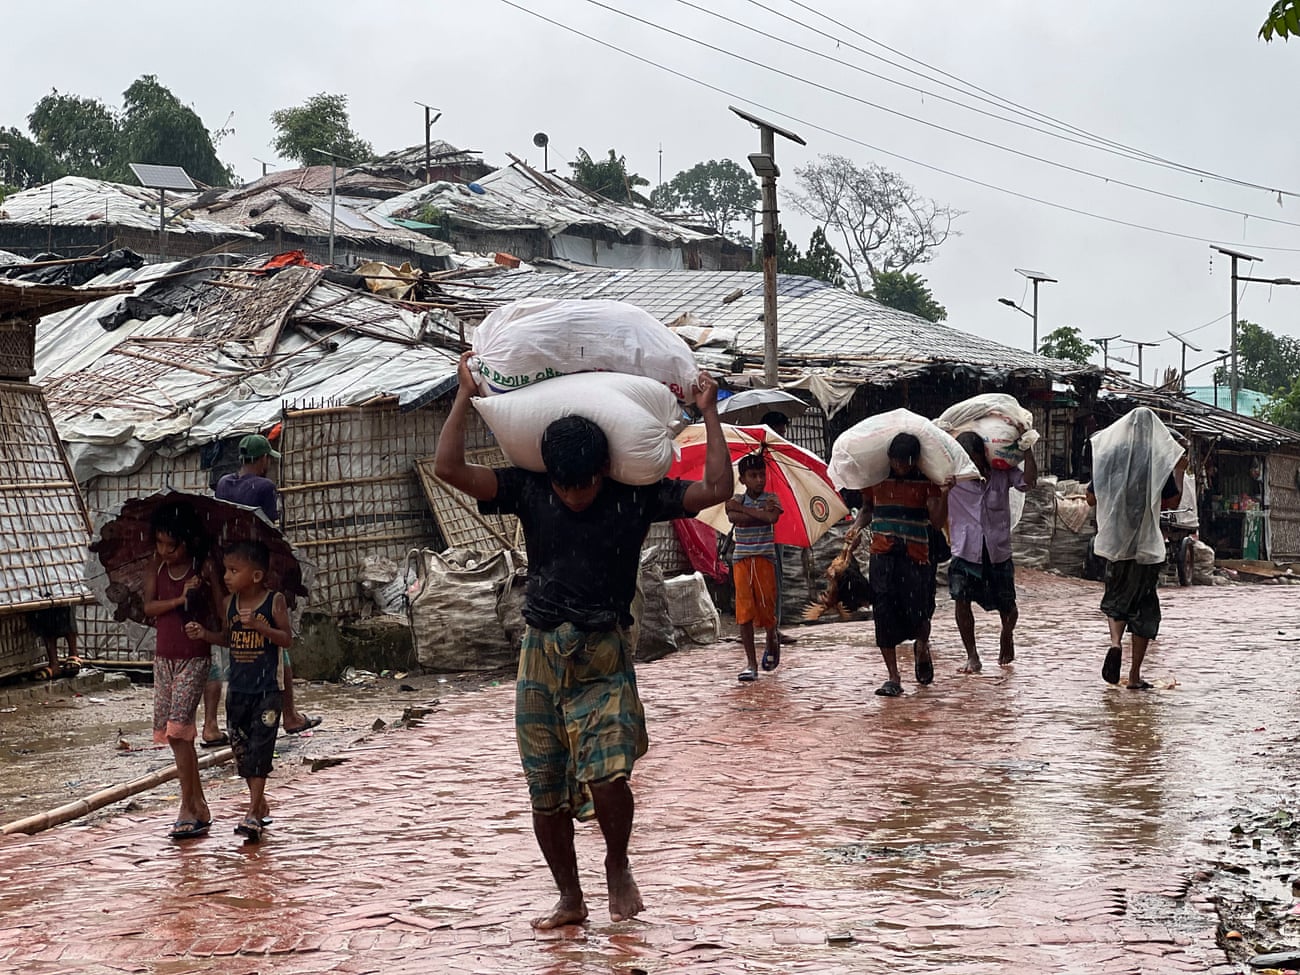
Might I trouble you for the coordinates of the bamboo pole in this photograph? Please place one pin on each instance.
(83, 807)
(315, 485)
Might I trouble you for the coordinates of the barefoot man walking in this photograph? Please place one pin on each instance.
(578, 720)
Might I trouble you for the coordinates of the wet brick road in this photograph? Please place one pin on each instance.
(1029, 820)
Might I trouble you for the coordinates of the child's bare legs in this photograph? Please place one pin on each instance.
(257, 805)
(211, 701)
(1116, 631)
(292, 719)
(747, 640)
(890, 656)
(52, 653)
(773, 648)
(965, 617)
(194, 805)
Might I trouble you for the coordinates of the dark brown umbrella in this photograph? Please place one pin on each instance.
(123, 553)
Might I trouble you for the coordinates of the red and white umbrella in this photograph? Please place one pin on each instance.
(798, 478)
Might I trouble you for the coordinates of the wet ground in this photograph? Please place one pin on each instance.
(1033, 819)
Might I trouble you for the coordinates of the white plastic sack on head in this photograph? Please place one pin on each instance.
(635, 413)
(860, 459)
(1131, 461)
(1005, 425)
(536, 339)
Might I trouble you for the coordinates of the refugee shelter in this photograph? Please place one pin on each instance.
(76, 216)
(533, 215)
(44, 527)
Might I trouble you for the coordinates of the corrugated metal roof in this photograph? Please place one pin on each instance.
(316, 180)
(411, 160)
(815, 320)
(75, 201)
(1198, 419)
(518, 197)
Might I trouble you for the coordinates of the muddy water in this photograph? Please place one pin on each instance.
(70, 743)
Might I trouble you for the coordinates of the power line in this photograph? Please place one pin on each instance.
(866, 145)
(1000, 100)
(913, 118)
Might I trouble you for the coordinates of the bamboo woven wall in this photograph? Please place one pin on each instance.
(102, 637)
(20, 650)
(349, 488)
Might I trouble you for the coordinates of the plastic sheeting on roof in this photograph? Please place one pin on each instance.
(518, 197)
(75, 201)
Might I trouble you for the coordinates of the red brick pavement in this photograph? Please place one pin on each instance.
(1029, 820)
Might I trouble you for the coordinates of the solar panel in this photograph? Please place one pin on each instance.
(163, 177)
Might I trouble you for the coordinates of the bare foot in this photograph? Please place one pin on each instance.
(973, 665)
(624, 895)
(1006, 657)
(567, 910)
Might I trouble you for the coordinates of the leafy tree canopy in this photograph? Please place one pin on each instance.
(1265, 362)
(25, 163)
(1283, 20)
(320, 123)
(721, 190)
(608, 177)
(908, 292)
(819, 262)
(88, 138)
(1066, 342)
(1284, 410)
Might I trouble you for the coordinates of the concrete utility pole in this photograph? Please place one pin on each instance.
(764, 165)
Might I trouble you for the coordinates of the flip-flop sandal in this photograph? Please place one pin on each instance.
(924, 670)
(748, 675)
(890, 688)
(772, 658)
(214, 742)
(307, 725)
(1110, 669)
(1140, 686)
(250, 829)
(188, 829)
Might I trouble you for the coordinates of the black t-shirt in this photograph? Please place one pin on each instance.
(582, 565)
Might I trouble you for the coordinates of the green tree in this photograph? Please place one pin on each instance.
(1283, 20)
(81, 133)
(1066, 342)
(25, 163)
(819, 262)
(156, 128)
(608, 177)
(320, 123)
(906, 292)
(1284, 409)
(720, 190)
(1265, 362)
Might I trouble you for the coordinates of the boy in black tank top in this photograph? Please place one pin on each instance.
(256, 627)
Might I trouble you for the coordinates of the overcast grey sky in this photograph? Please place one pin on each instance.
(1184, 80)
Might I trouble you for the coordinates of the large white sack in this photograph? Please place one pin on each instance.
(1006, 426)
(536, 339)
(636, 414)
(860, 458)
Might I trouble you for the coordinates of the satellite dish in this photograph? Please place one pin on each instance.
(541, 140)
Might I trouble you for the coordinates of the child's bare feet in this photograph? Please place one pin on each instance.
(567, 910)
(973, 665)
(624, 895)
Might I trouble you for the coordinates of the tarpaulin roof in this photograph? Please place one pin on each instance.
(227, 368)
(518, 197)
(75, 201)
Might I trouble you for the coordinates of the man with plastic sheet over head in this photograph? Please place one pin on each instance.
(1137, 470)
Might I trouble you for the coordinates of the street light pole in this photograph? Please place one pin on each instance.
(1104, 342)
(334, 168)
(428, 124)
(764, 165)
(1037, 277)
(1186, 345)
(1232, 372)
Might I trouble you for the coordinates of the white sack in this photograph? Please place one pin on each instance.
(859, 456)
(634, 412)
(1006, 426)
(1131, 461)
(536, 339)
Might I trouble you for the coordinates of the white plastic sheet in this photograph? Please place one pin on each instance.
(1131, 461)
